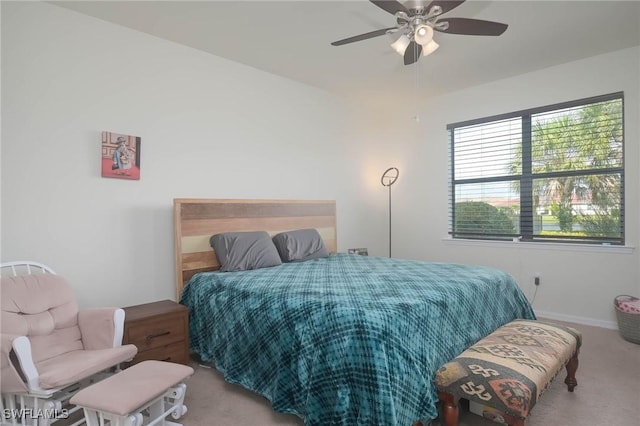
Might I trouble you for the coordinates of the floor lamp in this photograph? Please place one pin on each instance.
(389, 177)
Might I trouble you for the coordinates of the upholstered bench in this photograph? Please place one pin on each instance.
(509, 369)
(145, 393)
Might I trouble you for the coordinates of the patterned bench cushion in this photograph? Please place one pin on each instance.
(510, 369)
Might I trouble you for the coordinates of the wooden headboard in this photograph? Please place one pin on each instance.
(196, 220)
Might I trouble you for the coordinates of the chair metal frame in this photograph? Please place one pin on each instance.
(43, 407)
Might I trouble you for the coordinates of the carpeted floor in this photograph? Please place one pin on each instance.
(608, 393)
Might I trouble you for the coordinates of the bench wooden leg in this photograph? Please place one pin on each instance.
(450, 410)
(572, 366)
(513, 421)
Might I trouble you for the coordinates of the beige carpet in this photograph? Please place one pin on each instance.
(608, 393)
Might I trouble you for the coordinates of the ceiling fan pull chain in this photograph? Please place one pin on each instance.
(417, 96)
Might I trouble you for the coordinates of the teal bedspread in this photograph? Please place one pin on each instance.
(348, 339)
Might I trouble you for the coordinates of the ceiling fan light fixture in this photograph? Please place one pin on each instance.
(429, 48)
(401, 44)
(415, 22)
(423, 34)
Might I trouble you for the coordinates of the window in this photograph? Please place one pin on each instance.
(553, 173)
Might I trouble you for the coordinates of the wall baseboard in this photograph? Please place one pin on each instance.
(578, 320)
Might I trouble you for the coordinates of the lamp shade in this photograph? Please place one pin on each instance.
(390, 176)
(423, 34)
(429, 48)
(400, 45)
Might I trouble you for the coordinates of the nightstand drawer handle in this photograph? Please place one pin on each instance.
(153, 336)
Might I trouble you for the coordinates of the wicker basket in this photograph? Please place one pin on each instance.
(628, 322)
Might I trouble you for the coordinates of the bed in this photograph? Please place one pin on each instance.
(345, 339)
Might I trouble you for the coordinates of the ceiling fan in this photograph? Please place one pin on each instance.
(417, 20)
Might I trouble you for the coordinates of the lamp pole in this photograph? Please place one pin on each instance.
(388, 178)
(389, 220)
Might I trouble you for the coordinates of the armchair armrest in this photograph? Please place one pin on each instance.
(101, 328)
(14, 376)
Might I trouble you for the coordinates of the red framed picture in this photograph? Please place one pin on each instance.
(120, 156)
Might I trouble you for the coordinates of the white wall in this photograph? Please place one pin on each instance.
(575, 285)
(210, 128)
(216, 129)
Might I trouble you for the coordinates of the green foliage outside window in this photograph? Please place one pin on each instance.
(476, 217)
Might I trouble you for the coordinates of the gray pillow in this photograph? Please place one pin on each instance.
(240, 251)
(300, 245)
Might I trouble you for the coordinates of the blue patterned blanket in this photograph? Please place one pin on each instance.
(347, 340)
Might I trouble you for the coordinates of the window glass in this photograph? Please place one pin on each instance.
(554, 173)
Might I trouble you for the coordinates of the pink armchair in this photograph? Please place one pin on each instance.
(49, 348)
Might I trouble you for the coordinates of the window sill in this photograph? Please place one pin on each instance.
(541, 246)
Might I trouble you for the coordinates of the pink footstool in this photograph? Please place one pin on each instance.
(144, 394)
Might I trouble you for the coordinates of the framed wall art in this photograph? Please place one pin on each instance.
(120, 156)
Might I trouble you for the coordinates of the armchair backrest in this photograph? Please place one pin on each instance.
(43, 308)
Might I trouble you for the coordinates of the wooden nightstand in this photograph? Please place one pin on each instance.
(160, 331)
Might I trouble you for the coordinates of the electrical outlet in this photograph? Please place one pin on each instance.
(536, 279)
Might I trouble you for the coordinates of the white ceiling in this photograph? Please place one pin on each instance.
(292, 39)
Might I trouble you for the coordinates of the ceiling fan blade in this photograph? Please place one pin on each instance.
(361, 37)
(471, 27)
(412, 54)
(446, 5)
(390, 6)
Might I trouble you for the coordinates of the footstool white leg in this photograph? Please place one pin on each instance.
(171, 403)
(175, 396)
(96, 418)
(91, 417)
(133, 420)
(156, 411)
